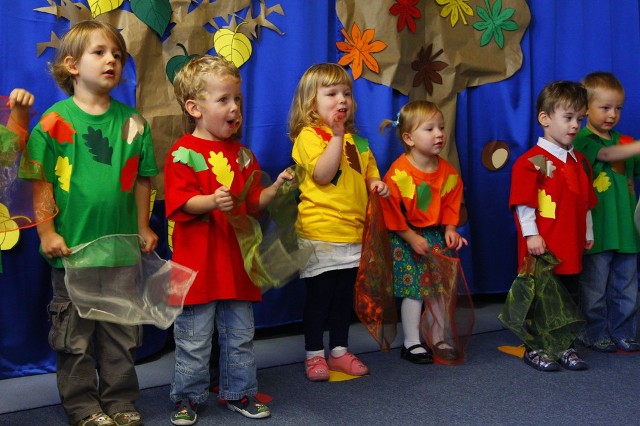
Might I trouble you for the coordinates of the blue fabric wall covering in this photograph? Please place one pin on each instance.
(565, 40)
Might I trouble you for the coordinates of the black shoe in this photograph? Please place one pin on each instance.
(540, 361)
(628, 345)
(572, 361)
(445, 351)
(421, 358)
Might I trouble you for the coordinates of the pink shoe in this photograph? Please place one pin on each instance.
(317, 370)
(349, 364)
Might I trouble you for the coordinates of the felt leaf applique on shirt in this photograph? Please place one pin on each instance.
(546, 205)
(189, 157)
(221, 168)
(132, 127)
(352, 157)
(405, 183)
(245, 158)
(326, 136)
(424, 196)
(602, 182)
(63, 171)
(98, 145)
(129, 173)
(543, 165)
(56, 126)
(450, 182)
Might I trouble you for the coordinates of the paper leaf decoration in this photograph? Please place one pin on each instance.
(155, 13)
(352, 157)
(406, 11)
(602, 182)
(63, 171)
(221, 168)
(232, 45)
(359, 48)
(129, 173)
(449, 184)
(170, 226)
(56, 126)
(546, 205)
(405, 183)
(424, 196)
(133, 127)
(189, 157)
(8, 239)
(176, 63)
(98, 145)
(98, 7)
(427, 69)
(455, 9)
(494, 21)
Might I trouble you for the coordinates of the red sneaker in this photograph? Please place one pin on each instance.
(348, 364)
(317, 370)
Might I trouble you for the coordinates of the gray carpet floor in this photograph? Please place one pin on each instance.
(489, 388)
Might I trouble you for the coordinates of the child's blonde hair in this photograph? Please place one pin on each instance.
(601, 80)
(568, 94)
(303, 106)
(74, 43)
(190, 83)
(410, 117)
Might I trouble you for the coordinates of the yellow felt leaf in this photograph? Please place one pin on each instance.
(512, 350)
(170, 225)
(8, 239)
(546, 205)
(602, 182)
(63, 171)
(449, 184)
(232, 45)
(98, 7)
(405, 183)
(221, 168)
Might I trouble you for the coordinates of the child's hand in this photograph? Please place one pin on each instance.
(419, 245)
(454, 240)
(20, 98)
(53, 245)
(336, 123)
(588, 245)
(536, 245)
(149, 239)
(380, 187)
(286, 176)
(223, 199)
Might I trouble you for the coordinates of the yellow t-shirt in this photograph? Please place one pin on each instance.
(334, 212)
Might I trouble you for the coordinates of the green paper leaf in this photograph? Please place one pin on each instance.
(155, 13)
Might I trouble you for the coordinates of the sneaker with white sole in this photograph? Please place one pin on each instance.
(249, 407)
(184, 414)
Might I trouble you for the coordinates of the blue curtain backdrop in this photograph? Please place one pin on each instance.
(565, 40)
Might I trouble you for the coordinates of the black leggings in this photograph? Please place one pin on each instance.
(329, 301)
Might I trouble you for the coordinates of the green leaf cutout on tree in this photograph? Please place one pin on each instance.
(155, 13)
(98, 146)
(176, 63)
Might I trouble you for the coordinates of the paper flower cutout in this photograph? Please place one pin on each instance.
(602, 182)
(221, 168)
(359, 48)
(455, 9)
(546, 205)
(406, 12)
(494, 21)
(427, 68)
(405, 183)
(63, 171)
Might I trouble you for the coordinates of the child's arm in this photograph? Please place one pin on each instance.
(143, 198)
(52, 243)
(20, 101)
(453, 239)
(329, 161)
(418, 244)
(268, 194)
(379, 186)
(527, 218)
(618, 152)
(589, 244)
(221, 199)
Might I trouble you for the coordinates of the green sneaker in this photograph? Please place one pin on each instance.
(249, 407)
(184, 413)
(97, 419)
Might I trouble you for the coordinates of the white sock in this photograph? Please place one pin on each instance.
(338, 351)
(313, 354)
(410, 310)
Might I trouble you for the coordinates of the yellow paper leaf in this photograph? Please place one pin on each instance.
(221, 168)
(63, 171)
(512, 350)
(546, 206)
(602, 182)
(449, 184)
(8, 239)
(405, 183)
(170, 225)
(98, 7)
(232, 45)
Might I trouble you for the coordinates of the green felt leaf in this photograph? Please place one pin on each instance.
(424, 196)
(98, 145)
(191, 158)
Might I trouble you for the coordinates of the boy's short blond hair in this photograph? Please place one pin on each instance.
(190, 83)
(601, 80)
(74, 44)
(568, 94)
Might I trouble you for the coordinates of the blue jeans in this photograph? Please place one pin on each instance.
(192, 332)
(608, 296)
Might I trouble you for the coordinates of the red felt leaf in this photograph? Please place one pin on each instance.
(324, 135)
(129, 173)
(57, 127)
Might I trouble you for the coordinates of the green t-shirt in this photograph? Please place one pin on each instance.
(92, 161)
(613, 225)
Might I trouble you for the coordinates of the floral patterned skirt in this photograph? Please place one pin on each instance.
(414, 275)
